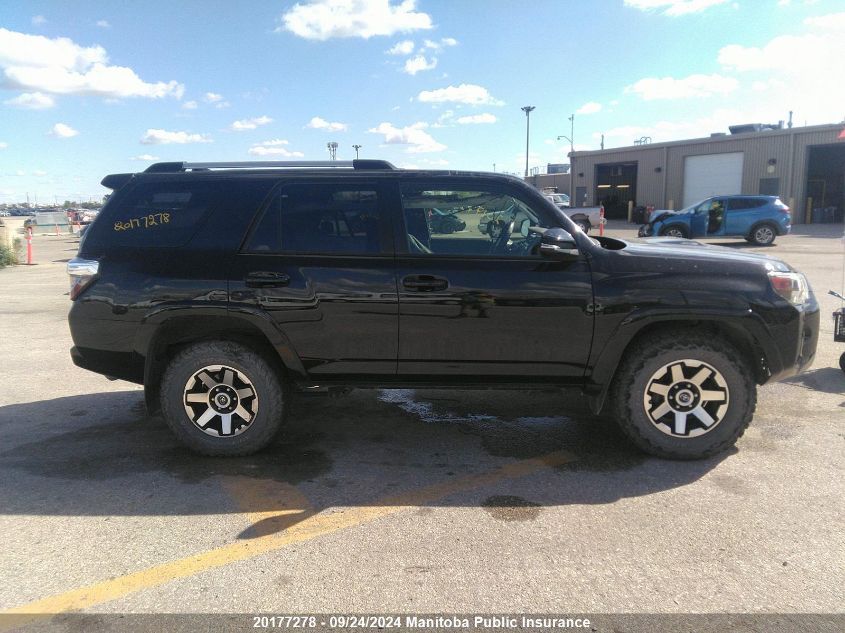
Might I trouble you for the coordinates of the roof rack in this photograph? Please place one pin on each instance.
(284, 164)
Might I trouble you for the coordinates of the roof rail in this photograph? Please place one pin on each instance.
(363, 164)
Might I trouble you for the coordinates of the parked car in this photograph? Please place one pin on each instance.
(759, 219)
(223, 287)
(443, 222)
(585, 217)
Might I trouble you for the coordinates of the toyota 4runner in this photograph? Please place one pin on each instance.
(223, 287)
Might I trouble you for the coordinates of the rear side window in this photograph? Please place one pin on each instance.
(320, 219)
(161, 214)
(736, 204)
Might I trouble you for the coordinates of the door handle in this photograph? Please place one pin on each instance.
(425, 283)
(266, 279)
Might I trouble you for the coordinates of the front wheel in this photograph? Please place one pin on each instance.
(683, 396)
(674, 231)
(222, 398)
(842, 362)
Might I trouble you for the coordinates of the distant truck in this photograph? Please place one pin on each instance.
(584, 217)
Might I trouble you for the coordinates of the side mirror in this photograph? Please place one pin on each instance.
(558, 244)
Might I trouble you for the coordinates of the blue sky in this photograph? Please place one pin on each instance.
(90, 88)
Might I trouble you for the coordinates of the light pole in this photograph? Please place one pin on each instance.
(527, 110)
(332, 150)
(569, 138)
(356, 148)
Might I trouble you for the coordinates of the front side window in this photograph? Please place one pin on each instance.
(469, 221)
(320, 219)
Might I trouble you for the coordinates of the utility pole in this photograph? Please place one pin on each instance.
(356, 148)
(569, 138)
(602, 141)
(527, 110)
(332, 150)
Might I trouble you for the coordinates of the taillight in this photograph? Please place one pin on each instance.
(791, 286)
(82, 272)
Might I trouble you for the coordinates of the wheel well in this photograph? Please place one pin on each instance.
(760, 223)
(748, 351)
(176, 334)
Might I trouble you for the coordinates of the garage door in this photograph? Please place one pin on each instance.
(712, 175)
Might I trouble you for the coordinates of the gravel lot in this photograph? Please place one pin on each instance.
(408, 501)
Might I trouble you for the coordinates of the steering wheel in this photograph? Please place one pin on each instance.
(500, 243)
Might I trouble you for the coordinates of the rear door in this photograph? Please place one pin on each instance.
(742, 213)
(482, 302)
(319, 262)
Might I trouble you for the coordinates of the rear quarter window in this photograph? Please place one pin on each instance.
(161, 214)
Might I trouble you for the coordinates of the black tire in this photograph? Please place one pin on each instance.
(649, 357)
(584, 225)
(842, 362)
(261, 377)
(675, 230)
(763, 234)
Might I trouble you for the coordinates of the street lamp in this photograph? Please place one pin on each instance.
(569, 138)
(527, 110)
(332, 150)
(356, 148)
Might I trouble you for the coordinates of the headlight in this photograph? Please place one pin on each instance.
(791, 286)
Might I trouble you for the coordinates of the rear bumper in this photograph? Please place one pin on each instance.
(125, 366)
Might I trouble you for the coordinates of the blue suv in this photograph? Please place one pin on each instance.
(759, 219)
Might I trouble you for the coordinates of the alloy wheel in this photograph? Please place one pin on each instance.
(220, 400)
(686, 398)
(764, 235)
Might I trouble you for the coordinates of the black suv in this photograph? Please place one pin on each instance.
(222, 287)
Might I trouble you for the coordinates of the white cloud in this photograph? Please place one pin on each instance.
(62, 130)
(274, 147)
(212, 97)
(325, 19)
(250, 124)
(103, 24)
(419, 63)
(145, 157)
(591, 107)
(38, 20)
(39, 172)
(800, 61)
(31, 101)
(190, 105)
(673, 7)
(415, 136)
(316, 123)
(3, 145)
(653, 88)
(477, 118)
(59, 66)
(164, 137)
(469, 94)
(436, 46)
(405, 47)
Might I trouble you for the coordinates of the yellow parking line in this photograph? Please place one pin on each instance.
(310, 528)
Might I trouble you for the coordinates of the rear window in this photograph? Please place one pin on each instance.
(320, 219)
(162, 214)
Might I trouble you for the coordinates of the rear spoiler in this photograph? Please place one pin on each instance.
(116, 181)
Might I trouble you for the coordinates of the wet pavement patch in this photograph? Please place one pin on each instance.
(511, 508)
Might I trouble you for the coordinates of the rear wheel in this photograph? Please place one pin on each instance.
(222, 398)
(763, 235)
(842, 362)
(683, 396)
(584, 225)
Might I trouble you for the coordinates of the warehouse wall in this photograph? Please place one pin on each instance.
(664, 189)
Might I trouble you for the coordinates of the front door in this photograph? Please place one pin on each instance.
(482, 302)
(319, 263)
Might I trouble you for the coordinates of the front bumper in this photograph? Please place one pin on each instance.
(798, 345)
